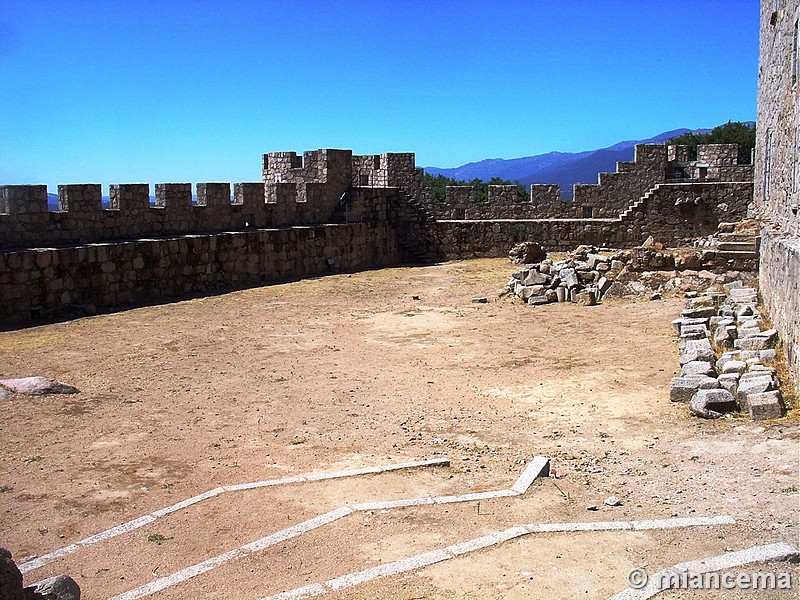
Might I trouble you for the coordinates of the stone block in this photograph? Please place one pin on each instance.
(766, 405)
(729, 381)
(697, 367)
(712, 403)
(749, 386)
(586, 297)
(537, 300)
(734, 366)
(681, 389)
(534, 277)
(751, 343)
(767, 355)
(699, 313)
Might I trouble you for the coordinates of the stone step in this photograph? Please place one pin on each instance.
(738, 254)
(737, 246)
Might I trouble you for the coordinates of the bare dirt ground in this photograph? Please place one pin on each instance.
(350, 371)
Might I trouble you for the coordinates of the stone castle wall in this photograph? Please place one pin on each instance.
(777, 174)
(135, 252)
(614, 193)
(674, 213)
(62, 281)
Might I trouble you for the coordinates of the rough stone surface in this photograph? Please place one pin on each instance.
(60, 587)
(681, 389)
(712, 404)
(10, 578)
(766, 405)
(697, 367)
(527, 253)
(37, 386)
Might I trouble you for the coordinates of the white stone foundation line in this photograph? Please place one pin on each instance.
(147, 519)
(425, 559)
(731, 560)
(539, 464)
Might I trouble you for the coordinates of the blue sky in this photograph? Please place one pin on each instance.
(130, 91)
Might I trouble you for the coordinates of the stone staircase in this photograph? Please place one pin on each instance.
(409, 219)
(637, 204)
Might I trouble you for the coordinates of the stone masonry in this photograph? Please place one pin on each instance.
(137, 250)
(777, 175)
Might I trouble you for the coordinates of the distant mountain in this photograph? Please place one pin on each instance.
(563, 168)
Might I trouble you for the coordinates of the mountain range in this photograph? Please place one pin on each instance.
(563, 168)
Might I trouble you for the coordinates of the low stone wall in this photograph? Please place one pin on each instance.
(482, 239)
(53, 282)
(779, 285)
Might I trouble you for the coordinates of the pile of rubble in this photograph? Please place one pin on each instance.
(728, 324)
(584, 277)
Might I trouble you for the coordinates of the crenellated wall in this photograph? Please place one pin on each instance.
(135, 251)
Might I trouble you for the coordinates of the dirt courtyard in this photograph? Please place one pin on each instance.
(369, 369)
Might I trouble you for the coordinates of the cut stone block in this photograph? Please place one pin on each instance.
(751, 343)
(535, 278)
(712, 403)
(767, 355)
(750, 386)
(586, 298)
(537, 300)
(525, 291)
(603, 285)
(695, 354)
(766, 405)
(729, 381)
(744, 310)
(697, 367)
(698, 313)
(726, 356)
(681, 389)
(734, 366)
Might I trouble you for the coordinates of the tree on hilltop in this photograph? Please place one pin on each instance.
(732, 132)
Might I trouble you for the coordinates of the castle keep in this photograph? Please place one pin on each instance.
(329, 210)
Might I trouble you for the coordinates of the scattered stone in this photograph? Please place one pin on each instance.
(526, 253)
(612, 501)
(586, 298)
(682, 389)
(767, 405)
(697, 367)
(37, 386)
(734, 366)
(480, 300)
(712, 404)
(592, 507)
(655, 296)
(584, 278)
(60, 587)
